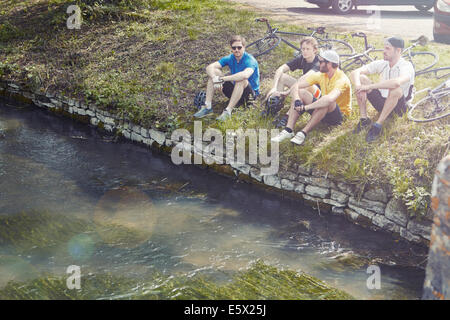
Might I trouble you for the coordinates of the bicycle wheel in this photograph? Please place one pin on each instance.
(433, 107)
(354, 62)
(422, 60)
(349, 63)
(263, 45)
(376, 54)
(437, 73)
(340, 46)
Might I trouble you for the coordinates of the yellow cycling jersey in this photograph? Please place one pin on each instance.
(338, 81)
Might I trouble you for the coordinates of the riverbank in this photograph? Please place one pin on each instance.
(125, 71)
(71, 196)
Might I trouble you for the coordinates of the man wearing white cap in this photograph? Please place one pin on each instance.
(335, 99)
(389, 94)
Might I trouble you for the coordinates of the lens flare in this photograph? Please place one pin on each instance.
(125, 216)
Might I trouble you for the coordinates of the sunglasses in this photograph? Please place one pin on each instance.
(237, 47)
(322, 60)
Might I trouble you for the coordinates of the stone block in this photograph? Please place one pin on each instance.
(287, 175)
(244, 168)
(361, 211)
(352, 214)
(94, 121)
(317, 191)
(339, 196)
(110, 121)
(299, 187)
(158, 136)
(334, 203)
(422, 228)
(255, 173)
(316, 181)
(404, 233)
(384, 223)
(56, 103)
(147, 141)
(375, 193)
(396, 211)
(346, 188)
(144, 132)
(287, 185)
(108, 128)
(375, 206)
(79, 111)
(136, 137)
(272, 181)
(338, 210)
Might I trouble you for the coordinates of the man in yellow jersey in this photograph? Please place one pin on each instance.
(329, 108)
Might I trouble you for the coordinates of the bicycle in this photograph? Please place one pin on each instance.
(434, 106)
(436, 73)
(272, 39)
(359, 59)
(371, 54)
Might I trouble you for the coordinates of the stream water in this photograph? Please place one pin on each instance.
(181, 220)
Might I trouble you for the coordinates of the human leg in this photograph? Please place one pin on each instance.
(307, 98)
(210, 87)
(395, 100)
(318, 115)
(331, 115)
(361, 97)
(286, 81)
(391, 102)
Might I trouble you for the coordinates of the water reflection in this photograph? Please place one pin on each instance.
(131, 212)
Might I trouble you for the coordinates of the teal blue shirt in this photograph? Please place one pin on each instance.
(247, 61)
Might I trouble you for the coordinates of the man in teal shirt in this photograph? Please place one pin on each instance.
(242, 82)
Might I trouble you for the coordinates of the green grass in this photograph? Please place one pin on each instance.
(146, 60)
(43, 234)
(260, 282)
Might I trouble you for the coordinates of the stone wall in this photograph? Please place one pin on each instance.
(437, 280)
(374, 207)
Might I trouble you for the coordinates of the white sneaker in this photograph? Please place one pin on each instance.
(282, 136)
(299, 138)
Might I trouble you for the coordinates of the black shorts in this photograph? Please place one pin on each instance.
(332, 118)
(377, 101)
(228, 87)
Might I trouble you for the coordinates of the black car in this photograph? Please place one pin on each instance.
(345, 6)
(441, 25)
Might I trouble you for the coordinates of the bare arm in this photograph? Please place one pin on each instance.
(243, 75)
(389, 84)
(325, 100)
(284, 68)
(355, 76)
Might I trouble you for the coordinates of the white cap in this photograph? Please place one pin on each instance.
(330, 55)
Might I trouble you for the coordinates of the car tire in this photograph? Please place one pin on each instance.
(324, 5)
(440, 38)
(342, 6)
(423, 7)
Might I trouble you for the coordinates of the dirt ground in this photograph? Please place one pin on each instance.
(405, 21)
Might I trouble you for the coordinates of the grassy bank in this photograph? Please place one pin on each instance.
(145, 59)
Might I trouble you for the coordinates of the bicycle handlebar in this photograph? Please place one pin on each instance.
(319, 30)
(359, 34)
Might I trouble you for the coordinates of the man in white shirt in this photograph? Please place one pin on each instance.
(390, 94)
